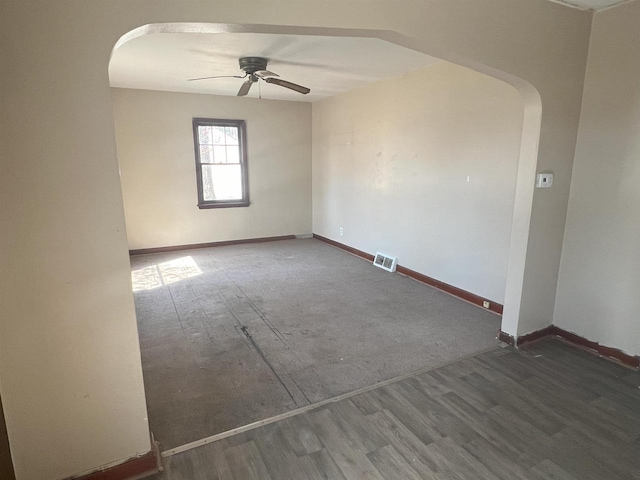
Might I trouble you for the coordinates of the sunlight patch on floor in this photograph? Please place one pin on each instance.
(166, 273)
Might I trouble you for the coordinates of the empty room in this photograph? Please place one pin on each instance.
(300, 240)
(234, 334)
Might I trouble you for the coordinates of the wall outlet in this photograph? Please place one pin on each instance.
(486, 304)
(341, 231)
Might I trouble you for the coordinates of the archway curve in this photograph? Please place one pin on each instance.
(529, 142)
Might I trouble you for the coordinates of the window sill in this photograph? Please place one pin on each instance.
(204, 206)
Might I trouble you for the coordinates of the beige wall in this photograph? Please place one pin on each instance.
(155, 150)
(70, 368)
(391, 163)
(599, 285)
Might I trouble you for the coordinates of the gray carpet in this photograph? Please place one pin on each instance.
(231, 335)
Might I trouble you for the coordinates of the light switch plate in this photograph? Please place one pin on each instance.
(544, 180)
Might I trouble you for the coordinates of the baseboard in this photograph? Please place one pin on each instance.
(346, 248)
(608, 352)
(506, 338)
(191, 246)
(528, 338)
(611, 353)
(132, 469)
(455, 291)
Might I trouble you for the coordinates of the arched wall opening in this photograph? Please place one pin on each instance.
(465, 244)
(528, 155)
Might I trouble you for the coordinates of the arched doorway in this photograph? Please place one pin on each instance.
(528, 140)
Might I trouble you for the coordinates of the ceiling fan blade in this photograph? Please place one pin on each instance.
(265, 74)
(244, 89)
(289, 85)
(217, 76)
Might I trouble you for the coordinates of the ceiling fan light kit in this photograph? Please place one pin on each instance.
(255, 69)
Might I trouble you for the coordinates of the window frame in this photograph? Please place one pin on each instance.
(244, 167)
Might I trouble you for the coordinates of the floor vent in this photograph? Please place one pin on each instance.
(385, 262)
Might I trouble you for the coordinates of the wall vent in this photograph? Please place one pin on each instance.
(385, 262)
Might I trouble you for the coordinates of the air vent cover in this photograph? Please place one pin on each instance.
(386, 262)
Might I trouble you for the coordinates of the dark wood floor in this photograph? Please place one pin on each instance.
(550, 411)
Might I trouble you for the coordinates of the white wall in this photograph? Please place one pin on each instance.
(599, 285)
(390, 166)
(155, 150)
(70, 368)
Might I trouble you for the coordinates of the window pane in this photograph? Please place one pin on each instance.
(207, 183)
(217, 135)
(221, 182)
(219, 154)
(204, 135)
(206, 154)
(233, 154)
(231, 134)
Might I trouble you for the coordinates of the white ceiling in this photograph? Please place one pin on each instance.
(591, 4)
(327, 65)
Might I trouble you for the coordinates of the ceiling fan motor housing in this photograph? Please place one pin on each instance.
(252, 65)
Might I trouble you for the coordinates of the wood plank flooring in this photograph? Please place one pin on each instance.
(550, 411)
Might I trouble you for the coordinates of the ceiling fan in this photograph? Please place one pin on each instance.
(255, 69)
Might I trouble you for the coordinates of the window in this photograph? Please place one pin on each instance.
(221, 163)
